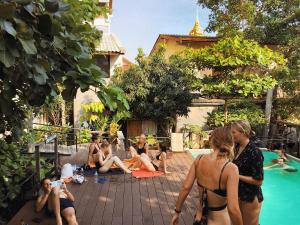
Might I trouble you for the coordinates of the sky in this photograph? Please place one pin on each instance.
(137, 23)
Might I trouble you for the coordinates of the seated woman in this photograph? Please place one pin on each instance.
(94, 149)
(162, 157)
(57, 201)
(140, 155)
(105, 159)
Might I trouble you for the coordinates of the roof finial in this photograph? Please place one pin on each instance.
(196, 30)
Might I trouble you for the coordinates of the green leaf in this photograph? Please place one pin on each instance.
(58, 43)
(8, 27)
(28, 46)
(7, 10)
(7, 59)
(40, 76)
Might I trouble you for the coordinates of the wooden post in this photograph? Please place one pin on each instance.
(37, 168)
(226, 111)
(268, 111)
(76, 143)
(56, 160)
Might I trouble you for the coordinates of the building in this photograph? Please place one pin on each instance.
(109, 55)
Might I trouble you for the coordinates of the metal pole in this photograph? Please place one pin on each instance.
(37, 168)
(56, 156)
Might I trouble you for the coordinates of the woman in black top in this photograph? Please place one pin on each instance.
(249, 160)
(140, 154)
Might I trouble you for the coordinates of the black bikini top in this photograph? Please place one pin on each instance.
(219, 191)
(141, 150)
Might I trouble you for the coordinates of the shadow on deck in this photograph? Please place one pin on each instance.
(124, 199)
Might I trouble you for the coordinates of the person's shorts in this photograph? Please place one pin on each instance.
(64, 203)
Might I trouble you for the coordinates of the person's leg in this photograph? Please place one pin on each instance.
(132, 151)
(250, 212)
(106, 166)
(120, 164)
(69, 215)
(163, 158)
(145, 160)
(109, 163)
(54, 204)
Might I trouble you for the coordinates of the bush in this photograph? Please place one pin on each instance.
(15, 167)
(84, 136)
(237, 111)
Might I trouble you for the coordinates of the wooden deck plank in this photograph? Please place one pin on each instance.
(162, 201)
(101, 202)
(119, 202)
(85, 201)
(110, 202)
(128, 205)
(137, 218)
(146, 209)
(90, 210)
(154, 203)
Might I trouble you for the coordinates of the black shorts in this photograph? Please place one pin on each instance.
(64, 203)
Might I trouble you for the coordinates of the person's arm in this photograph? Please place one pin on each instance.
(232, 195)
(146, 149)
(250, 180)
(109, 152)
(90, 160)
(101, 161)
(41, 201)
(68, 193)
(185, 190)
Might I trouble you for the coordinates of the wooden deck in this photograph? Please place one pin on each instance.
(124, 199)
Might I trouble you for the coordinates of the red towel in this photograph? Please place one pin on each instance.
(145, 173)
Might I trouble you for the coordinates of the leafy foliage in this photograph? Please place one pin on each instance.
(46, 49)
(270, 22)
(237, 111)
(158, 89)
(15, 167)
(84, 136)
(241, 68)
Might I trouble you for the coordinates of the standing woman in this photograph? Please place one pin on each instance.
(217, 179)
(249, 160)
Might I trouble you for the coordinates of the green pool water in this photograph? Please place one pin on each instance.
(281, 190)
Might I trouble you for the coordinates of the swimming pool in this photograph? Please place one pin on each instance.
(281, 190)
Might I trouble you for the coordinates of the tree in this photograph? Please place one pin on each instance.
(46, 50)
(270, 22)
(241, 69)
(242, 110)
(158, 89)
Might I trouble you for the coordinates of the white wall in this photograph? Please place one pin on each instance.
(196, 116)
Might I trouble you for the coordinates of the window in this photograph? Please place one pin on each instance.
(103, 61)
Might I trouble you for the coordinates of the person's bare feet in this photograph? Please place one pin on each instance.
(167, 172)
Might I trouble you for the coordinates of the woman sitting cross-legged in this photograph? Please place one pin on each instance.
(106, 159)
(217, 180)
(140, 155)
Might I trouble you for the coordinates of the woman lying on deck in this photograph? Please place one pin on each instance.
(101, 157)
(57, 201)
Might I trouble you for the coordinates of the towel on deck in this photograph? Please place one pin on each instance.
(145, 173)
